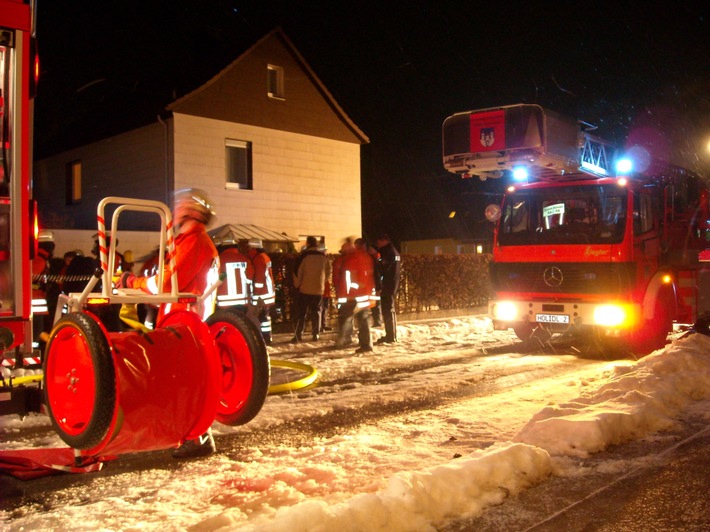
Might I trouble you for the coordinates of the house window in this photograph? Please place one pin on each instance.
(275, 82)
(73, 179)
(238, 162)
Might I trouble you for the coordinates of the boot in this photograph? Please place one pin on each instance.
(202, 446)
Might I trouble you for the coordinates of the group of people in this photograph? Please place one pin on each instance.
(364, 278)
(248, 283)
(52, 276)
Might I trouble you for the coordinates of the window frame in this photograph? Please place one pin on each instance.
(275, 82)
(233, 178)
(74, 178)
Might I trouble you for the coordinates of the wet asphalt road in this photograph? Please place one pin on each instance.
(668, 490)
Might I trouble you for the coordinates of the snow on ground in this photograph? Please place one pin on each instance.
(412, 471)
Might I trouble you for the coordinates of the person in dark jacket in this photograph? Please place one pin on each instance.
(389, 270)
(78, 273)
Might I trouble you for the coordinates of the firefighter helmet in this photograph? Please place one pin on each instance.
(45, 235)
(196, 201)
(45, 240)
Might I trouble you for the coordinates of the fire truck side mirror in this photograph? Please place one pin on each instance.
(493, 212)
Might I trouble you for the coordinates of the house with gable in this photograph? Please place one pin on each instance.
(263, 138)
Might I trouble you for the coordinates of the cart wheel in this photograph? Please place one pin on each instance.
(245, 367)
(79, 381)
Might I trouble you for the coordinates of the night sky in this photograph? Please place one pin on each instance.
(637, 70)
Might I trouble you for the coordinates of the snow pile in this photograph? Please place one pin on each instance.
(414, 471)
(640, 398)
(414, 500)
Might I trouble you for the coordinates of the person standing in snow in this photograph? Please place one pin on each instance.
(354, 286)
(390, 271)
(313, 270)
(263, 294)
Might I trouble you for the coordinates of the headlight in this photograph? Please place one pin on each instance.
(610, 315)
(505, 311)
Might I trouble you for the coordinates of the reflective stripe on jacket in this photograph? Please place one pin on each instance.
(236, 286)
(354, 278)
(263, 285)
(195, 255)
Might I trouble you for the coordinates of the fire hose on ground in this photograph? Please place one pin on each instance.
(290, 386)
(311, 375)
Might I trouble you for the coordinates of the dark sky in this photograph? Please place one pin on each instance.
(639, 70)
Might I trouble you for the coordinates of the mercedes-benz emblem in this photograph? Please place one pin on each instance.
(553, 276)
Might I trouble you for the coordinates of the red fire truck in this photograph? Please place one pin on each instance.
(108, 392)
(583, 243)
(18, 228)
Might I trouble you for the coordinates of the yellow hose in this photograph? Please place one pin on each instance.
(20, 380)
(311, 376)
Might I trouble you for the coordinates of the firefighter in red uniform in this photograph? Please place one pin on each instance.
(263, 290)
(196, 259)
(235, 290)
(354, 280)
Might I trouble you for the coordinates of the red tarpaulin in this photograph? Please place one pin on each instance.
(27, 464)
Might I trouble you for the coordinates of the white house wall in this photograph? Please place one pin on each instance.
(302, 185)
(131, 164)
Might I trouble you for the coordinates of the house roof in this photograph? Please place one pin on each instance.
(66, 121)
(327, 97)
(234, 233)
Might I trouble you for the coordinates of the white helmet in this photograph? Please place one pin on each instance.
(196, 200)
(45, 235)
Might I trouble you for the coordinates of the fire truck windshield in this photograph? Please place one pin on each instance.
(580, 214)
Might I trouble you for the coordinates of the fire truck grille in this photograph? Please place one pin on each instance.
(567, 278)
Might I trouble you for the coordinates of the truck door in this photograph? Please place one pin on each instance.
(647, 243)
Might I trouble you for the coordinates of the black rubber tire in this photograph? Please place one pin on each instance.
(661, 325)
(86, 430)
(258, 360)
(524, 331)
(654, 332)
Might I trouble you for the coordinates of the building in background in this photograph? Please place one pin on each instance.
(264, 138)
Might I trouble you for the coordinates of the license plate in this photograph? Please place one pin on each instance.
(552, 318)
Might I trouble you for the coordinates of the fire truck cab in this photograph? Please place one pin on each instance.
(583, 245)
(18, 230)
